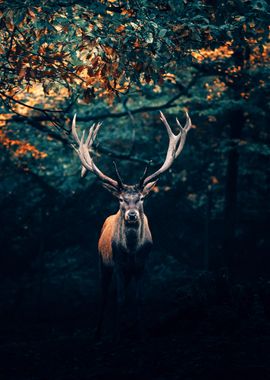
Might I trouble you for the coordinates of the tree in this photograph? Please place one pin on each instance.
(115, 60)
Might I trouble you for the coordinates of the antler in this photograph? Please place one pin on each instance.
(83, 150)
(176, 145)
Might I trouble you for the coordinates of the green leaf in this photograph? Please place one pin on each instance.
(162, 33)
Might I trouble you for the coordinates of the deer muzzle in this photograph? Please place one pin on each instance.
(132, 216)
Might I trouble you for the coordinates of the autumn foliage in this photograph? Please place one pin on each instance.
(54, 56)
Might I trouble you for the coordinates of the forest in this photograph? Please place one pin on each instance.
(206, 307)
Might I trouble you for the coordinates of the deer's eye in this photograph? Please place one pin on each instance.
(142, 199)
(121, 200)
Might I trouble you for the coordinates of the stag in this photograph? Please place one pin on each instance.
(125, 240)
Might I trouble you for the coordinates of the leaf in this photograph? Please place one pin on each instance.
(31, 13)
(120, 28)
(150, 38)
(162, 33)
(22, 73)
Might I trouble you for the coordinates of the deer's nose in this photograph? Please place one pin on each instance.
(132, 215)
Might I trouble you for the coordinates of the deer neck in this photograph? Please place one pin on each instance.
(131, 235)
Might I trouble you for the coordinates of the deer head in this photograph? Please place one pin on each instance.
(130, 197)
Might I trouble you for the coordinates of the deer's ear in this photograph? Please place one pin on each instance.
(111, 189)
(147, 188)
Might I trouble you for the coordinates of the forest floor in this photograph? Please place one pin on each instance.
(198, 331)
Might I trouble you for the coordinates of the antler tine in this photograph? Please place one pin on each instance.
(84, 149)
(90, 135)
(176, 144)
(73, 130)
(119, 179)
(141, 180)
(165, 122)
(84, 166)
(87, 162)
(96, 128)
(184, 130)
(80, 152)
(83, 172)
(188, 124)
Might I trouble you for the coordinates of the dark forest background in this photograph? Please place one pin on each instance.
(207, 295)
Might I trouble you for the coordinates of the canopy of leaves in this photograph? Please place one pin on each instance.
(65, 50)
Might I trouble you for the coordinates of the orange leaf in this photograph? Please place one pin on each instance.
(22, 73)
(31, 13)
(80, 68)
(137, 44)
(214, 180)
(120, 28)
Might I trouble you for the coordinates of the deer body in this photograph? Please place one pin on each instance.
(125, 240)
(116, 236)
(124, 246)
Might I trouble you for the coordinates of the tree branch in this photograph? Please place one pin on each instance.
(27, 105)
(123, 156)
(168, 104)
(107, 115)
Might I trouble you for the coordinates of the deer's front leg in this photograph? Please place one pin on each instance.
(141, 263)
(119, 265)
(120, 298)
(139, 286)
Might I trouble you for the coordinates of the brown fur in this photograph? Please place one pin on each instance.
(147, 229)
(106, 236)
